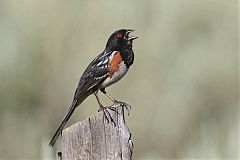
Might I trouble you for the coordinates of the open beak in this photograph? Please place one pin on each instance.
(131, 38)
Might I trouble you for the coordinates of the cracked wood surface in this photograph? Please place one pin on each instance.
(96, 139)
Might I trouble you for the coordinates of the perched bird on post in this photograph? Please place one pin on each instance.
(106, 69)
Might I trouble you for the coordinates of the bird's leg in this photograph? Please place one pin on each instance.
(123, 104)
(109, 96)
(104, 109)
(99, 103)
(113, 99)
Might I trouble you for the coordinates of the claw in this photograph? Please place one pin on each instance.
(107, 115)
(114, 109)
(128, 107)
(125, 105)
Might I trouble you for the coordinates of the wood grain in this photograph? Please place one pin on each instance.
(96, 139)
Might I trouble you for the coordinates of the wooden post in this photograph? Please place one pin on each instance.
(96, 139)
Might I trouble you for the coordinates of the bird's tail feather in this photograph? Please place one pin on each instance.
(64, 121)
(74, 105)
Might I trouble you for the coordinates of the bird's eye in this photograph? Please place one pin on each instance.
(119, 35)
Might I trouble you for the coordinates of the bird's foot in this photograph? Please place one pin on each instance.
(125, 105)
(107, 115)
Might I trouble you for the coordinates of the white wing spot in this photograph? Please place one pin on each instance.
(105, 61)
(99, 63)
(97, 78)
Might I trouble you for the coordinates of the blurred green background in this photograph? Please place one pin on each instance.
(183, 86)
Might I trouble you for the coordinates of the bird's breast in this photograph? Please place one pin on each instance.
(116, 75)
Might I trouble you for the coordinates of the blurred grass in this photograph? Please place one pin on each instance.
(183, 86)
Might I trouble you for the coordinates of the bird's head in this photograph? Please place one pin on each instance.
(120, 38)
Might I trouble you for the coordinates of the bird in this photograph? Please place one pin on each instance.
(106, 69)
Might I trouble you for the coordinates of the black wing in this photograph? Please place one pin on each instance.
(94, 75)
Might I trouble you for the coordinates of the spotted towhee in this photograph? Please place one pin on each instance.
(106, 69)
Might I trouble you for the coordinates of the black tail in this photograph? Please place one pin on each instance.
(64, 121)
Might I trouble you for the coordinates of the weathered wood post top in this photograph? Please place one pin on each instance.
(97, 139)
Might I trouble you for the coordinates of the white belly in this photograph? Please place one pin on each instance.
(116, 76)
